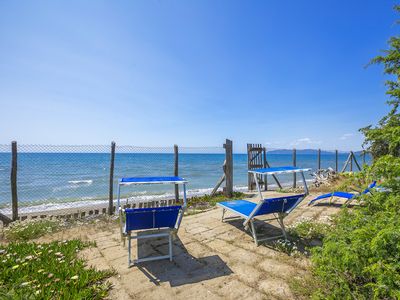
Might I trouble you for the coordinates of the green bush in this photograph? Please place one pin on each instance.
(360, 256)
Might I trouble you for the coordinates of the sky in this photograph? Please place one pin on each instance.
(287, 74)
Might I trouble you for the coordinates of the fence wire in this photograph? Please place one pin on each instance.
(75, 179)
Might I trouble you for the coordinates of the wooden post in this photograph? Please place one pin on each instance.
(319, 159)
(264, 166)
(336, 161)
(363, 157)
(346, 163)
(6, 220)
(14, 194)
(220, 181)
(228, 169)
(111, 186)
(351, 161)
(294, 165)
(176, 164)
(355, 161)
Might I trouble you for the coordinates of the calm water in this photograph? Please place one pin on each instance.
(60, 178)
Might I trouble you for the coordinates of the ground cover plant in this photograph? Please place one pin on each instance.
(207, 201)
(308, 230)
(49, 271)
(31, 229)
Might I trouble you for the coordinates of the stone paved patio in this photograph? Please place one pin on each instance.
(212, 260)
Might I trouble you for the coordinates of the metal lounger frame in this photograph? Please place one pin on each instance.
(168, 233)
(249, 220)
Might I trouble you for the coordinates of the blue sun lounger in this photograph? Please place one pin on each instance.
(157, 221)
(279, 207)
(345, 195)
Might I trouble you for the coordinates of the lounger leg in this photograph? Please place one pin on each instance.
(170, 246)
(129, 249)
(253, 231)
(121, 225)
(223, 214)
(280, 220)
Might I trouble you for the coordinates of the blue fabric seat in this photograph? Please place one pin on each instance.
(269, 206)
(243, 207)
(281, 206)
(345, 195)
(150, 218)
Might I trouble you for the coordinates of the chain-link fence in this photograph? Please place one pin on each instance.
(75, 180)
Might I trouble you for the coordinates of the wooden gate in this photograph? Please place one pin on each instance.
(257, 159)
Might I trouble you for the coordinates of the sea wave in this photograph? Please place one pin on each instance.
(81, 181)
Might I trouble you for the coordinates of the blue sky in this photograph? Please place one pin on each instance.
(154, 73)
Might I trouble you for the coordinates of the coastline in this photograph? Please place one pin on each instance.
(82, 208)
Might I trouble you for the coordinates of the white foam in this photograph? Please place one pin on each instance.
(81, 182)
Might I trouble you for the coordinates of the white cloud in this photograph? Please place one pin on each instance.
(346, 136)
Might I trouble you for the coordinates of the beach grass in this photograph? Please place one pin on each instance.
(49, 271)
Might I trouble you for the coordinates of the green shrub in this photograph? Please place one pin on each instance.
(49, 271)
(360, 256)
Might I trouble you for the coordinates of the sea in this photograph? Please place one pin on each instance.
(48, 181)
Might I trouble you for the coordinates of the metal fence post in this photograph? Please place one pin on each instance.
(14, 194)
(111, 187)
(228, 169)
(176, 168)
